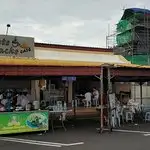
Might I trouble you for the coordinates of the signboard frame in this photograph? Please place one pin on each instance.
(16, 46)
(25, 121)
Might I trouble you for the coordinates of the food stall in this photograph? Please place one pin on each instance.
(18, 116)
(18, 112)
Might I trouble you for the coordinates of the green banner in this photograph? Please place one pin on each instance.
(18, 122)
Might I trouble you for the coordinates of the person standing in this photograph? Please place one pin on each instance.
(95, 97)
(87, 100)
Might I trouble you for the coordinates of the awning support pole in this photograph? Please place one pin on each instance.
(101, 100)
(108, 101)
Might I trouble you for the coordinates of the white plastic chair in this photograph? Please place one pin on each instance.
(147, 117)
(113, 119)
(129, 116)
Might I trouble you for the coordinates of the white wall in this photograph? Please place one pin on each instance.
(135, 91)
(145, 93)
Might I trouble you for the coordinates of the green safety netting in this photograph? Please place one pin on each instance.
(124, 38)
(131, 18)
(130, 22)
(139, 59)
(123, 26)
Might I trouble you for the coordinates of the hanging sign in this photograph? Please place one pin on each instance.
(16, 46)
(68, 78)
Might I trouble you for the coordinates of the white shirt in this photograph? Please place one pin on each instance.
(22, 100)
(1, 96)
(19, 98)
(88, 96)
(96, 94)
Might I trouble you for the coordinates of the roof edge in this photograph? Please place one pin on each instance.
(73, 47)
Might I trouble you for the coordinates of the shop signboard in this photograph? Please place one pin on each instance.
(16, 46)
(68, 78)
(19, 122)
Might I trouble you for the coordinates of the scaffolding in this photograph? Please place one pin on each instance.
(132, 37)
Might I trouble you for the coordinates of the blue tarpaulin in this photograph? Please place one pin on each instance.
(130, 11)
(139, 10)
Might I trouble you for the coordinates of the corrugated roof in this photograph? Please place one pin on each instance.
(36, 62)
(72, 47)
(77, 56)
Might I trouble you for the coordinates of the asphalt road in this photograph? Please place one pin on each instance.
(78, 138)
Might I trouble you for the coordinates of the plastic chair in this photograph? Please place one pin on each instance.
(147, 116)
(113, 119)
(129, 116)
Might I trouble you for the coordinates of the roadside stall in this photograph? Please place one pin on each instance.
(18, 114)
(19, 111)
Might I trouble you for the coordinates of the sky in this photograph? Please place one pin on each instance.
(69, 22)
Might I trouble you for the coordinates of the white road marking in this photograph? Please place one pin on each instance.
(73, 144)
(35, 142)
(147, 134)
(30, 142)
(130, 131)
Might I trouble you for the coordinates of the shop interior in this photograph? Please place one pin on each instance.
(58, 93)
(17, 94)
(69, 90)
(73, 95)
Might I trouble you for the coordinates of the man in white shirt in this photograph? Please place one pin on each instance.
(95, 97)
(23, 99)
(87, 100)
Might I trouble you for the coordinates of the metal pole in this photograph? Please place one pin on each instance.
(101, 100)
(74, 104)
(141, 93)
(108, 102)
(7, 31)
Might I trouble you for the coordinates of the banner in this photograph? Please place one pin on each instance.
(16, 46)
(18, 122)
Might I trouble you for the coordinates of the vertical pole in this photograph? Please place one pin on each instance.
(141, 94)
(74, 102)
(101, 100)
(7, 31)
(108, 102)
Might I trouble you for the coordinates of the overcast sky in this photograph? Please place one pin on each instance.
(75, 22)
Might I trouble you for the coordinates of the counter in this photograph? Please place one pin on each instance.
(24, 121)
